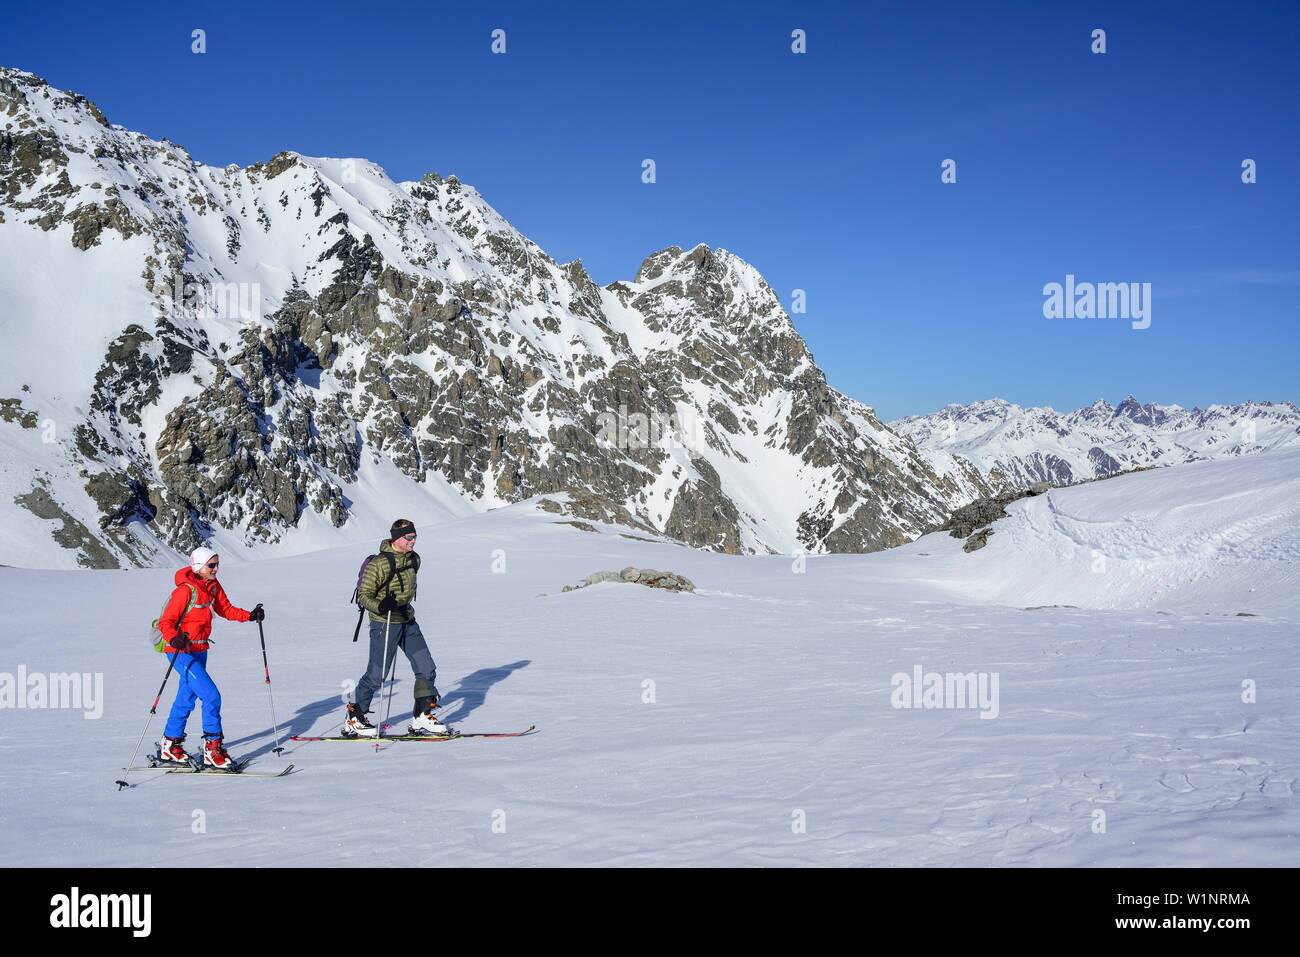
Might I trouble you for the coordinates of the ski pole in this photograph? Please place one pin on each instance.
(383, 667)
(391, 675)
(267, 669)
(152, 711)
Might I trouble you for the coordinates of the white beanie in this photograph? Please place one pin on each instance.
(200, 557)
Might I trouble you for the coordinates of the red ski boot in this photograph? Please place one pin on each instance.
(172, 751)
(215, 756)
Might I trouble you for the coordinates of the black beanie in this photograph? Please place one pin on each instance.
(400, 527)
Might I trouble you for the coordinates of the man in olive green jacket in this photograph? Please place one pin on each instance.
(387, 591)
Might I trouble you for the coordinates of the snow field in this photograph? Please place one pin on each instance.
(1123, 735)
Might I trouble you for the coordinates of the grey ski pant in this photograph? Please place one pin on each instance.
(407, 637)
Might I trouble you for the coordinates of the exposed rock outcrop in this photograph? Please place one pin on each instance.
(650, 577)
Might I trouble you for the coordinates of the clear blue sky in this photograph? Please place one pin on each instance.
(821, 169)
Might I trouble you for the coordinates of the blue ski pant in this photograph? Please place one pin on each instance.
(195, 683)
(410, 639)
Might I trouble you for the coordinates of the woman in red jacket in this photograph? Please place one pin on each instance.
(186, 624)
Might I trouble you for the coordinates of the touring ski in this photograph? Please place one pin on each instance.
(195, 768)
(531, 729)
(213, 772)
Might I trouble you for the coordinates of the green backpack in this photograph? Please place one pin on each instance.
(159, 642)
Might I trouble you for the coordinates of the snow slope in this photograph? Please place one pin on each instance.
(772, 692)
(1220, 537)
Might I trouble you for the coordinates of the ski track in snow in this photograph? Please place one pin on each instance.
(772, 698)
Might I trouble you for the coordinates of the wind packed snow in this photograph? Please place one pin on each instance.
(752, 723)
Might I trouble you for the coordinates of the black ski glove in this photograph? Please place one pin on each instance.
(180, 642)
(388, 604)
(257, 614)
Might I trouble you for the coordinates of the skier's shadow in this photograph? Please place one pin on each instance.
(299, 723)
(462, 700)
(456, 705)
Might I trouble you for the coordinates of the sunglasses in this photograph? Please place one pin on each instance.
(409, 538)
(213, 564)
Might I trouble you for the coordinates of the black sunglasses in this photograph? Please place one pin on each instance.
(213, 564)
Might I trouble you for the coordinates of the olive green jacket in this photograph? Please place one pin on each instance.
(375, 583)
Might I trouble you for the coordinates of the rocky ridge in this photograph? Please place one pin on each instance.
(289, 340)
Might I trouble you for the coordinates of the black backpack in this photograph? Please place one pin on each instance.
(392, 573)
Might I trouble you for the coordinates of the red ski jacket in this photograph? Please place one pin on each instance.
(198, 623)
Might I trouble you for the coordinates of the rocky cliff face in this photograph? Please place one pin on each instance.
(243, 354)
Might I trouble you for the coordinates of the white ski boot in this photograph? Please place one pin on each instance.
(356, 725)
(424, 721)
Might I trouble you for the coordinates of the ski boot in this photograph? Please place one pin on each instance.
(423, 720)
(215, 756)
(172, 751)
(356, 725)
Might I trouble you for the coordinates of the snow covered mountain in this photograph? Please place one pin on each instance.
(283, 357)
(1016, 447)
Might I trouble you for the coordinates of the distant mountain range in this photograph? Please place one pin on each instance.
(287, 356)
(1015, 446)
